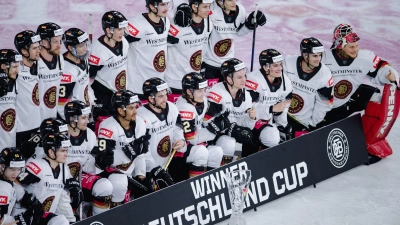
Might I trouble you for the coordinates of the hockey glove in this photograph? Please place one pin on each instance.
(75, 192)
(183, 15)
(141, 145)
(241, 134)
(28, 147)
(260, 20)
(219, 124)
(3, 87)
(285, 132)
(24, 218)
(104, 159)
(161, 177)
(140, 187)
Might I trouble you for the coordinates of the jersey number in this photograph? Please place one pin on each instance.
(102, 145)
(186, 127)
(62, 91)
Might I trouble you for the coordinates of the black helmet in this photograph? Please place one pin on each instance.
(311, 45)
(52, 125)
(200, 1)
(123, 98)
(193, 81)
(54, 142)
(155, 2)
(269, 56)
(153, 85)
(113, 19)
(8, 56)
(12, 157)
(76, 108)
(74, 36)
(230, 66)
(24, 39)
(49, 30)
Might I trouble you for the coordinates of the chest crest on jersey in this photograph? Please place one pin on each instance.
(46, 205)
(35, 95)
(49, 98)
(125, 166)
(8, 119)
(195, 61)
(221, 48)
(342, 89)
(120, 81)
(297, 104)
(159, 62)
(164, 146)
(74, 169)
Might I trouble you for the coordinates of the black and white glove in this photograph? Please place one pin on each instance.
(285, 133)
(104, 159)
(28, 147)
(183, 15)
(32, 203)
(75, 192)
(219, 124)
(137, 147)
(3, 87)
(161, 177)
(24, 218)
(260, 20)
(241, 134)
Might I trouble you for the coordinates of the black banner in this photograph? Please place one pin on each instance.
(276, 172)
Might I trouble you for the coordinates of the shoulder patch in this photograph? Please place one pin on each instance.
(330, 82)
(132, 30)
(173, 31)
(66, 78)
(215, 97)
(3, 200)
(186, 114)
(105, 132)
(251, 85)
(34, 168)
(376, 61)
(94, 59)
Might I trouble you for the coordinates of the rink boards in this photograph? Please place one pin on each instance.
(276, 172)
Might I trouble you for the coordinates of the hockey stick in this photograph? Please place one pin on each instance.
(169, 159)
(90, 28)
(254, 37)
(298, 121)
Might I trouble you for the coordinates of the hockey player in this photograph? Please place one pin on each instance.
(230, 111)
(50, 181)
(108, 61)
(192, 107)
(80, 161)
(124, 136)
(50, 68)
(27, 105)
(164, 124)
(350, 66)
(272, 92)
(148, 34)
(185, 49)
(312, 86)
(9, 62)
(229, 20)
(75, 83)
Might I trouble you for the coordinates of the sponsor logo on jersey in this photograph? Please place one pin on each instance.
(186, 115)
(173, 31)
(196, 60)
(343, 89)
(221, 48)
(120, 81)
(8, 119)
(132, 30)
(94, 59)
(35, 95)
(376, 61)
(215, 97)
(164, 147)
(50, 97)
(159, 61)
(106, 133)
(251, 85)
(74, 168)
(3, 199)
(34, 168)
(297, 104)
(330, 82)
(66, 78)
(338, 148)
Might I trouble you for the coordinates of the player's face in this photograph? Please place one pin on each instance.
(275, 69)
(118, 34)
(11, 173)
(161, 99)
(239, 79)
(13, 71)
(131, 111)
(314, 59)
(199, 94)
(230, 5)
(83, 121)
(55, 45)
(351, 49)
(81, 49)
(162, 9)
(204, 10)
(34, 51)
(61, 155)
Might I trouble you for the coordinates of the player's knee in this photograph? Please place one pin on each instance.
(215, 154)
(200, 155)
(269, 136)
(103, 187)
(228, 144)
(120, 186)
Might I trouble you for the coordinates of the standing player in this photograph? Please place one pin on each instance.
(108, 61)
(148, 44)
(9, 61)
(164, 124)
(50, 68)
(312, 86)
(27, 105)
(230, 99)
(350, 66)
(229, 20)
(124, 134)
(185, 49)
(192, 107)
(75, 78)
(273, 92)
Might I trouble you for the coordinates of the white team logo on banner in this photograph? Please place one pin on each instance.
(338, 148)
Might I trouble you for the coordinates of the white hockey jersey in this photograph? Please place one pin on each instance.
(7, 197)
(147, 56)
(349, 74)
(269, 95)
(113, 73)
(8, 116)
(165, 130)
(221, 45)
(111, 129)
(50, 74)
(221, 101)
(311, 98)
(28, 100)
(186, 56)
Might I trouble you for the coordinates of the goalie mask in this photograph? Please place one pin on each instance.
(342, 35)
